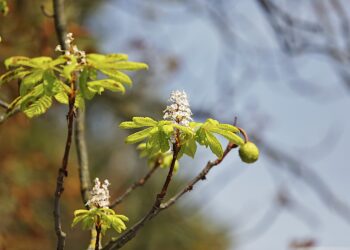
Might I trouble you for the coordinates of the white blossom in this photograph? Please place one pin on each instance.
(99, 194)
(72, 49)
(179, 111)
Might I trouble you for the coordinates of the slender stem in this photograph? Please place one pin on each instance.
(161, 195)
(98, 233)
(199, 177)
(131, 233)
(4, 105)
(136, 184)
(60, 21)
(62, 172)
(83, 161)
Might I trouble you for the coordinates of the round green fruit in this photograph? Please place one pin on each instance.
(249, 152)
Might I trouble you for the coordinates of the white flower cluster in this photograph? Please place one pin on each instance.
(179, 111)
(99, 194)
(72, 50)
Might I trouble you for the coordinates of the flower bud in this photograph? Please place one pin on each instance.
(249, 152)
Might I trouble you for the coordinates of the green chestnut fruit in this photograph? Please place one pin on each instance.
(249, 152)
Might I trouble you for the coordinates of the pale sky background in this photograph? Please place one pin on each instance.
(239, 195)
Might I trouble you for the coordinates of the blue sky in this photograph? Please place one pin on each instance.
(266, 86)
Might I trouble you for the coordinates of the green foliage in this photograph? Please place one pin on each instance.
(158, 135)
(164, 159)
(104, 217)
(44, 78)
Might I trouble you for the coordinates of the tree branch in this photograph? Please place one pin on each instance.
(201, 176)
(131, 233)
(5, 116)
(136, 184)
(158, 206)
(83, 160)
(4, 105)
(62, 172)
(60, 22)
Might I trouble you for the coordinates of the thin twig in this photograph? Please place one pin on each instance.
(7, 115)
(62, 172)
(83, 161)
(60, 22)
(136, 184)
(199, 177)
(4, 105)
(131, 233)
(98, 233)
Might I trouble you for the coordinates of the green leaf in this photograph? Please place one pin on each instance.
(68, 69)
(214, 144)
(139, 136)
(163, 141)
(49, 81)
(16, 61)
(228, 127)
(30, 80)
(117, 75)
(38, 107)
(187, 130)
(95, 59)
(129, 125)
(144, 121)
(153, 145)
(32, 95)
(86, 92)
(88, 222)
(80, 212)
(190, 148)
(41, 62)
(13, 75)
(228, 135)
(79, 101)
(77, 219)
(129, 66)
(62, 97)
(100, 85)
(168, 129)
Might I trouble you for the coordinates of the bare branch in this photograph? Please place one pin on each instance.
(138, 183)
(7, 115)
(60, 22)
(4, 105)
(155, 209)
(199, 177)
(62, 172)
(83, 160)
(158, 206)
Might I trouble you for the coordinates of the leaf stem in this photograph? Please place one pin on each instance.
(98, 233)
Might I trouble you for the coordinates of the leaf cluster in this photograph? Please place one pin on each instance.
(43, 79)
(104, 217)
(159, 134)
(164, 159)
